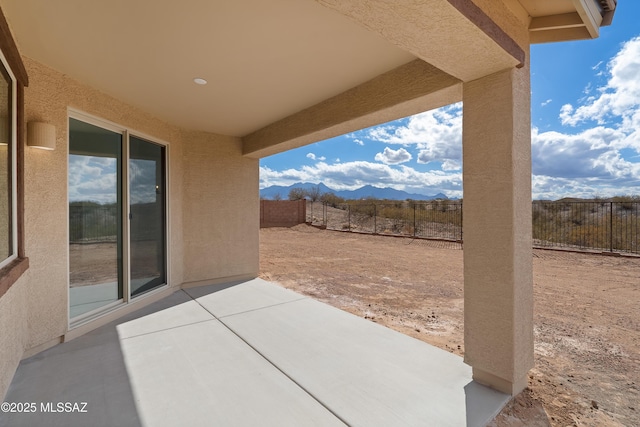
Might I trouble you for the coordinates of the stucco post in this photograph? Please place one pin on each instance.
(498, 278)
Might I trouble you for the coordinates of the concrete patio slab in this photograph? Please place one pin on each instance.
(186, 313)
(244, 355)
(366, 374)
(88, 369)
(252, 295)
(204, 375)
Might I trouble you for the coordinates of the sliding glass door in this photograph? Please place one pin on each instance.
(117, 217)
(146, 213)
(95, 218)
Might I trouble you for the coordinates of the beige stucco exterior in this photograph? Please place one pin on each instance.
(498, 278)
(213, 211)
(220, 195)
(13, 331)
(268, 93)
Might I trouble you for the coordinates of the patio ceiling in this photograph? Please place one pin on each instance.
(263, 60)
(268, 61)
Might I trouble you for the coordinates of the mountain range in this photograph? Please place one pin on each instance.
(368, 191)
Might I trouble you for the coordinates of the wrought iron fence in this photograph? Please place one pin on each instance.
(440, 219)
(93, 223)
(607, 226)
(590, 225)
(90, 223)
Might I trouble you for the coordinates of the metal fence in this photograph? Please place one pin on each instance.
(607, 226)
(603, 226)
(93, 223)
(440, 219)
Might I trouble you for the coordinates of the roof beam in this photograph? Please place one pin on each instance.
(565, 34)
(552, 22)
(409, 89)
(454, 35)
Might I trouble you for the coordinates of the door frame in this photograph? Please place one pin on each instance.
(127, 299)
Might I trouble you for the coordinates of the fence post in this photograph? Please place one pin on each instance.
(375, 220)
(414, 219)
(349, 216)
(610, 226)
(325, 214)
(461, 222)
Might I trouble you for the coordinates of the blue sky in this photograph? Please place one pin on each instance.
(585, 114)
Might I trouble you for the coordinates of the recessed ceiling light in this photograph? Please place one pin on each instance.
(200, 81)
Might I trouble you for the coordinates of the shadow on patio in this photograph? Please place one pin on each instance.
(248, 354)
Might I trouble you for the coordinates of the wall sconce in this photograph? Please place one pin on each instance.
(41, 135)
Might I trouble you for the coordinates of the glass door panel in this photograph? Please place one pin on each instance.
(95, 218)
(147, 215)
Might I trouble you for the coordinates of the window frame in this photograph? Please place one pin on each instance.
(10, 272)
(14, 165)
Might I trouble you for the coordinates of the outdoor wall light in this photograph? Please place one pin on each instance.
(41, 135)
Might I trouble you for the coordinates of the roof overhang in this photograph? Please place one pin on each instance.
(283, 73)
(562, 20)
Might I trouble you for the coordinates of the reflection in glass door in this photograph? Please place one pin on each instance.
(114, 254)
(95, 218)
(146, 214)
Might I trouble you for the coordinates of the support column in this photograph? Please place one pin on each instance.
(498, 278)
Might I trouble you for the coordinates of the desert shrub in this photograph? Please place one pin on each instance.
(297, 194)
(314, 193)
(332, 200)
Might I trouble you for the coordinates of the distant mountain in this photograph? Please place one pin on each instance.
(360, 193)
(283, 192)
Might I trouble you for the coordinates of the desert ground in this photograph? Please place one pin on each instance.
(586, 313)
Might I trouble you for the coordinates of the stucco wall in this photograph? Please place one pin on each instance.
(13, 331)
(221, 209)
(46, 99)
(213, 213)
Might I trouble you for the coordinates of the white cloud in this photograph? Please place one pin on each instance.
(314, 157)
(451, 165)
(142, 177)
(547, 102)
(553, 188)
(590, 161)
(620, 97)
(584, 164)
(393, 157)
(437, 134)
(352, 175)
(574, 156)
(358, 141)
(92, 179)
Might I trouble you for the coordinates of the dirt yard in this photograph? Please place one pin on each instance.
(586, 314)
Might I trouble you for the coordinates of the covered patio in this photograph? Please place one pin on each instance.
(118, 91)
(248, 353)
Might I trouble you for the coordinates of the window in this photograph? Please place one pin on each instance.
(13, 79)
(8, 229)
